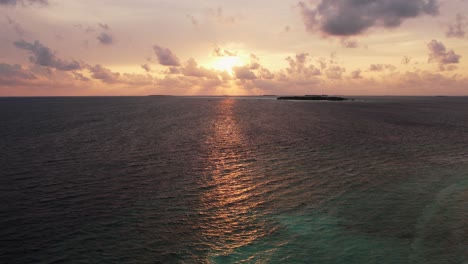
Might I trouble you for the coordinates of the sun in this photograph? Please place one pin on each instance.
(226, 63)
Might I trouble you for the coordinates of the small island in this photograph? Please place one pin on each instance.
(313, 98)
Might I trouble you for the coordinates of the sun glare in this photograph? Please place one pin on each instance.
(226, 63)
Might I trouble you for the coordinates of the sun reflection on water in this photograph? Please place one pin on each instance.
(228, 203)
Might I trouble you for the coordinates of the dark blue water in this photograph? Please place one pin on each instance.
(226, 180)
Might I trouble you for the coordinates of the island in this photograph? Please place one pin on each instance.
(313, 98)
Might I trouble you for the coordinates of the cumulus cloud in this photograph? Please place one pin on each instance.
(335, 72)
(458, 28)
(23, 2)
(165, 56)
(42, 55)
(438, 53)
(299, 67)
(244, 73)
(191, 68)
(353, 17)
(105, 38)
(101, 73)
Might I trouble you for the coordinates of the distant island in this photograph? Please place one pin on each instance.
(313, 98)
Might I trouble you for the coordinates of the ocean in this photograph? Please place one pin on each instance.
(233, 180)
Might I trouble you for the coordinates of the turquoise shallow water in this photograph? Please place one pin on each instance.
(234, 180)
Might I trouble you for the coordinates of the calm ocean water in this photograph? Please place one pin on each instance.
(229, 180)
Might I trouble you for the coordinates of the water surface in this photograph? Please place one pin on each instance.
(233, 180)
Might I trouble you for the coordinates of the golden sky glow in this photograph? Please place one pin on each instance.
(182, 47)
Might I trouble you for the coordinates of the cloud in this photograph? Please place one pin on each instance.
(42, 55)
(335, 72)
(299, 68)
(458, 28)
(104, 26)
(107, 76)
(105, 38)
(244, 73)
(219, 15)
(87, 29)
(192, 19)
(356, 74)
(165, 56)
(354, 17)
(100, 73)
(381, 67)
(80, 77)
(16, 26)
(218, 52)
(350, 43)
(23, 2)
(438, 53)
(10, 73)
(146, 67)
(406, 60)
(191, 68)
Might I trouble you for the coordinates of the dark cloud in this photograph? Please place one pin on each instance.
(9, 72)
(438, 53)
(353, 17)
(165, 56)
(105, 38)
(42, 55)
(80, 77)
(458, 28)
(23, 2)
(101, 73)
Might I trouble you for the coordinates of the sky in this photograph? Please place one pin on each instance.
(254, 47)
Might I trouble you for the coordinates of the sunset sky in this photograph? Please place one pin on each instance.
(207, 47)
